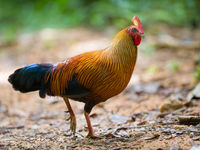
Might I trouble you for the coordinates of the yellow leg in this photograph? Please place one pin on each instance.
(72, 116)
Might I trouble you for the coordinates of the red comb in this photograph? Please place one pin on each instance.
(136, 22)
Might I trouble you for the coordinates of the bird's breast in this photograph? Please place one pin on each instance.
(104, 80)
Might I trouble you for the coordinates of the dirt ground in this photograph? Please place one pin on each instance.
(145, 116)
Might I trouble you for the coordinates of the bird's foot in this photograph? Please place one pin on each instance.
(72, 119)
(93, 136)
(73, 124)
(67, 115)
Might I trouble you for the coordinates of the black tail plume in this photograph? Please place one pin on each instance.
(30, 78)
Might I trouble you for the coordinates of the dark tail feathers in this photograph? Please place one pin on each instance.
(30, 78)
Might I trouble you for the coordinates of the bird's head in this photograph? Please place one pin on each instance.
(136, 30)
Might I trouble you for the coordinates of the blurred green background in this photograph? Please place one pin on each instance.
(18, 16)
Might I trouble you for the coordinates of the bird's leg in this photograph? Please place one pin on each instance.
(72, 116)
(91, 132)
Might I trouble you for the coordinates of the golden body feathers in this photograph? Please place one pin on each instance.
(105, 73)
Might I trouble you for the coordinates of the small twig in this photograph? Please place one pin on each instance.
(189, 120)
(14, 127)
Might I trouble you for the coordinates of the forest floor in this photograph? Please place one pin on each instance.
(153, 112)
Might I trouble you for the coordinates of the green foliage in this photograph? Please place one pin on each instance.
(149, 49)
(197, 60)
(9, 37)
(173, 65)
(152, 69)
(197, 73)
(48, 44)
(30, 15)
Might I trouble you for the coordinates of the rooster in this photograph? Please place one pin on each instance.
(91, 77)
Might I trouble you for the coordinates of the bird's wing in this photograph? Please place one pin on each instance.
(64, 78)
(75, 90)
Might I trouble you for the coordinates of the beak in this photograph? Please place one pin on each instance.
(142, 35)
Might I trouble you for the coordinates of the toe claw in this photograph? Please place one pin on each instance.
(67, 119)
(73, 125)
(66, 112)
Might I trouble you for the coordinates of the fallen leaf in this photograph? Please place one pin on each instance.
(109, 135)
(171, 105)
(142, 123)
(118, 118)
(94, 115)
(153, 136)
(195, 93)
(121, 131)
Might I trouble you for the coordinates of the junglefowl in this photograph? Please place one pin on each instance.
(91, 77)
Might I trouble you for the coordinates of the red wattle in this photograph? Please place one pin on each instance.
(137, 39)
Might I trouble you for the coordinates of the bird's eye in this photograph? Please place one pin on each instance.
(134, 29)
